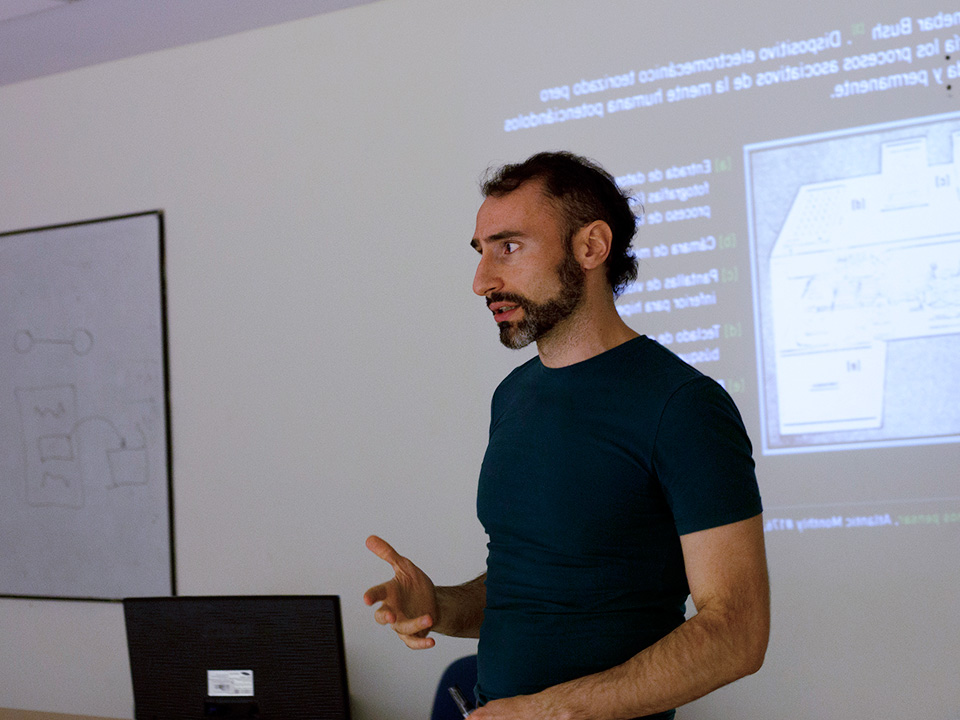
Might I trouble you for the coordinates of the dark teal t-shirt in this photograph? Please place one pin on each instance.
(592, 473)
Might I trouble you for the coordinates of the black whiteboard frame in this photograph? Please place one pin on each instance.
(166, 404)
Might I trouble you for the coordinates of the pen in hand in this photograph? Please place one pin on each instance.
(462, 705)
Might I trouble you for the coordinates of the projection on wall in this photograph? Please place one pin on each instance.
(798, 182)
(863, 274)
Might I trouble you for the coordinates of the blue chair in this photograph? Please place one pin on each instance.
(463, 674)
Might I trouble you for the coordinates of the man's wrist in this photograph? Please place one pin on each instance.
(460, 609)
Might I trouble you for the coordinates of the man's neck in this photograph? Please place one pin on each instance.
(585, 334)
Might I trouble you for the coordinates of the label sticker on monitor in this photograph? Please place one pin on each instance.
(230, 683)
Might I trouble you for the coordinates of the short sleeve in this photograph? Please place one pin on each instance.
(703, 458)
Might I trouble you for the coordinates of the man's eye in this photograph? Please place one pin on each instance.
(510, 247)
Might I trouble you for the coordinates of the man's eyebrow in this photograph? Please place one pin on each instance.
(502, 235)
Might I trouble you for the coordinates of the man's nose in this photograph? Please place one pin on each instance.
(485, 280)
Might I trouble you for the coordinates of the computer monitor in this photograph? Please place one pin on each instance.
(276, 657)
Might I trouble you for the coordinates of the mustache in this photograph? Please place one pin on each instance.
(508, 298)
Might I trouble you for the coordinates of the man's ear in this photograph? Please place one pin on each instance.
(592, 244)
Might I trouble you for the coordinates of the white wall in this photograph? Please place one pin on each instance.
(330, 369)
(324, 376)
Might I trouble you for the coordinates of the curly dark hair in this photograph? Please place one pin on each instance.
(583, 192)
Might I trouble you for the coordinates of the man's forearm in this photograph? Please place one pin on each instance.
(725, 640)
(461, 608)
(698, 657)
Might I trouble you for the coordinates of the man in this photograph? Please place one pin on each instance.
(617, 480)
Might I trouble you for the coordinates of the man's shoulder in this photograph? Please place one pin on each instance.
(526, 368)
(519, 375)
(654, 357)
(655, 366)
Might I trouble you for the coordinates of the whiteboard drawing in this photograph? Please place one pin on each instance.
(84, 467)
(56, 441)
(80, 341)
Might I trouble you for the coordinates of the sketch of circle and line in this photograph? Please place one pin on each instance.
(81, 341)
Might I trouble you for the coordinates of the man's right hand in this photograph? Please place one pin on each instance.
(408, 602)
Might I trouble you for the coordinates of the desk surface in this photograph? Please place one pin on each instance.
(6, 714)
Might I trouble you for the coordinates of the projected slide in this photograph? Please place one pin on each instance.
(797, 183)
(865, 265)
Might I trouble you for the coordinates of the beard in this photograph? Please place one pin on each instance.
(540, 318)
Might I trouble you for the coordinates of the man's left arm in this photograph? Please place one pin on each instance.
(726, 640)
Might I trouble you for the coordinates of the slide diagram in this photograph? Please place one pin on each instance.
(859, 263)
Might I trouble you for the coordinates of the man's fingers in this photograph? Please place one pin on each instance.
(378, 593)
(393, 598)
(406, 629)
(417, 643)
(413, 626)
(383, 550)
(384, 616)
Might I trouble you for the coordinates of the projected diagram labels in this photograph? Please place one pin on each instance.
(859, 262)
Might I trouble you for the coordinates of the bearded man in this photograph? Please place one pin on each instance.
(617, 482)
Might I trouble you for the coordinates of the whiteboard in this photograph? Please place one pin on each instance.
(85, 483)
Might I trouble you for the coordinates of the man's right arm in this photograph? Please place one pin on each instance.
(413, 606)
